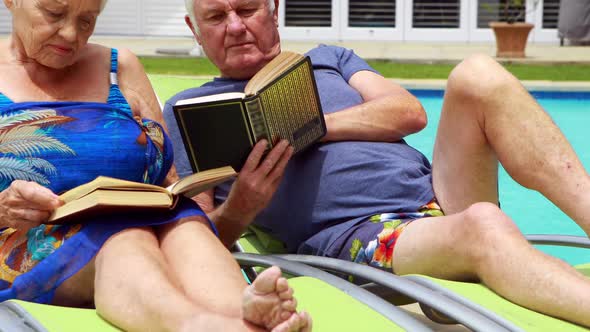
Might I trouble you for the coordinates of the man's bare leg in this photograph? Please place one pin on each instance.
(482, 243)
(488, 116)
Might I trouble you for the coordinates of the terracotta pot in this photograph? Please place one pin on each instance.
(511, 38)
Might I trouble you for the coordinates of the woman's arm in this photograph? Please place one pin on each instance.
(137, 89)
(388, 114)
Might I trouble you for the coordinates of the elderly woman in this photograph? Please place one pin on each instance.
(71, 111)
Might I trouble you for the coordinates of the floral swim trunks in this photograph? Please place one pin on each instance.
(372, 242)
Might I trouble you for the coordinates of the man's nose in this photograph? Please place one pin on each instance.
(235, 24)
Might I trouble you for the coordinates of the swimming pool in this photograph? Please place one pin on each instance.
(531, 211)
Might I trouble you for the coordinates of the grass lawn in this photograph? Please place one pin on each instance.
(171, 75)
(202, 66)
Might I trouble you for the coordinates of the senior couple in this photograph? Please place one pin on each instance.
(72, 110)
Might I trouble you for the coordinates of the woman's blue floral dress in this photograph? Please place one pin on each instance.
(61, 145)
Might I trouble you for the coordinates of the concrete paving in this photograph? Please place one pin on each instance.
(393, 51)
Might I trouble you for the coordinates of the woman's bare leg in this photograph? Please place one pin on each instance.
(135, 287)
(198, 258)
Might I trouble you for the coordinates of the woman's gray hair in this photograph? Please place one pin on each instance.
(102, 4)
(190, 9)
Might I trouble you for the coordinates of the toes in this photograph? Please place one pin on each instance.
(268, 280)
(289, 305)
(293, 324)
(282, 285)
(308, 322)
(298, 322)
(286, 294)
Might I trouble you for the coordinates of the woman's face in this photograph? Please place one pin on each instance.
(52, 32)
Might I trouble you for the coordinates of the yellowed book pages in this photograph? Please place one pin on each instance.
(272, 70)
(108, 194)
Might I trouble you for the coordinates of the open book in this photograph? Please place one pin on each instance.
(106, 195)
(280, 102)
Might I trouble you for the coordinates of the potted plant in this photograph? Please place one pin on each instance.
(510, 32)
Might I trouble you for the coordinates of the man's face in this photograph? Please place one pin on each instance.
(238, 36)
(52, 32)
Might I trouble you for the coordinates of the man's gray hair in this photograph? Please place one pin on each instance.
(190, 9)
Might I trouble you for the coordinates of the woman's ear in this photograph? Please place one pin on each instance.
(9, 3)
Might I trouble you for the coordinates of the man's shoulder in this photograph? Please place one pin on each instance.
(210, 88)
(186, 94)
(327, 50)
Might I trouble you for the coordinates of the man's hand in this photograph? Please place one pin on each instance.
(25, 204)
(255, 186)
(258, 180)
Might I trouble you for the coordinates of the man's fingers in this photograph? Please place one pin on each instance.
(277, 172)
(274, 157)
(255, 156)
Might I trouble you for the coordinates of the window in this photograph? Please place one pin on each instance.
(550, 14)
(436, 14)
(310, 13)
(372, 13)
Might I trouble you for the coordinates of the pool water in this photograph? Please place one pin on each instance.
(530, 210)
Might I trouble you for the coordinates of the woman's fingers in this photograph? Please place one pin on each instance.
(26, 204)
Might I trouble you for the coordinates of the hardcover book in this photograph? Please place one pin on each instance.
(105, 195)
(280, 102)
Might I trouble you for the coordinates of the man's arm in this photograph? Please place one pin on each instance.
(251, 192)
(388, 114)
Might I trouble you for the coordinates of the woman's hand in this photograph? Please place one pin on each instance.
(25, 204)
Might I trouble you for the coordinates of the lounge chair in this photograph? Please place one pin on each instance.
(335, 305)
(476, 297)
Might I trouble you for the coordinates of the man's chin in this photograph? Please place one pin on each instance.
(246, 66)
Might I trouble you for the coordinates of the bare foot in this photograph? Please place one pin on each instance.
(269, 302)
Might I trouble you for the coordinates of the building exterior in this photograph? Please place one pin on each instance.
(341, 20)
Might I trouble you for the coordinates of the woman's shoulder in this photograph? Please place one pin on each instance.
(125, 57)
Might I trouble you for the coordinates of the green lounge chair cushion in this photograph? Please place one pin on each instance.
(331, 309)
(524, 318)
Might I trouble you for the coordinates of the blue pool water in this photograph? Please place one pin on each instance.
(531, 211)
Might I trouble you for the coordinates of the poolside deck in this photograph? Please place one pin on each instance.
(394, 51)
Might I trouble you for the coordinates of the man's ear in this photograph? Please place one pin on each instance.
(189, 23)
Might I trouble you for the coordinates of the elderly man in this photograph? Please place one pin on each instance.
(143, 271)
(364, 195)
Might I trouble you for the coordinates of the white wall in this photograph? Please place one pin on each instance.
(120, 18)
(166, 18)
(5, 19)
